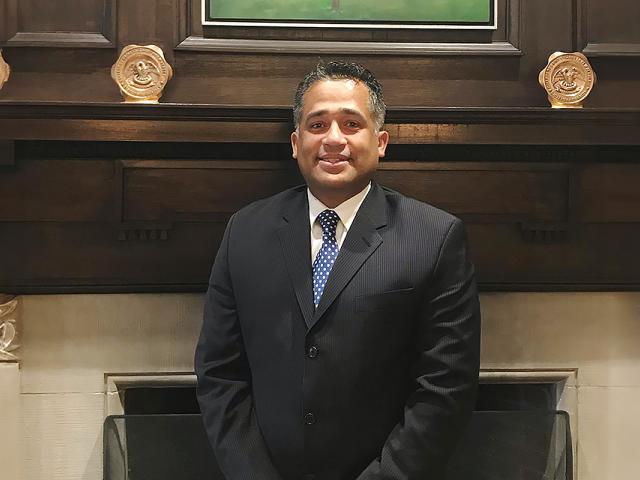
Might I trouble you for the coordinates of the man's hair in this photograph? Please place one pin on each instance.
(342, 71)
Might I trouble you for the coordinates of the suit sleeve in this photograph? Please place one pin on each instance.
(445, 372)
(224, 381)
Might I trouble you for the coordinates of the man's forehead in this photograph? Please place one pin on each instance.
(343, 95)
(348, 83)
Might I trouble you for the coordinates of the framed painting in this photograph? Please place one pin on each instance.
(391, 14)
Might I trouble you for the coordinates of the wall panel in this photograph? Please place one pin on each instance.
(98, 223)
(609, 28)
(63, 23)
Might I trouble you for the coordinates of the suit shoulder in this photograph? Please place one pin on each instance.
(270, 206)
(418, 211)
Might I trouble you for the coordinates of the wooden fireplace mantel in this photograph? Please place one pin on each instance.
(103, 197)
(272, 124)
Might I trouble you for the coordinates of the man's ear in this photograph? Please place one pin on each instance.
(294, 144)
(383, 140)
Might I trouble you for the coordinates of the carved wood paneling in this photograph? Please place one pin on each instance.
(598, 257)
(60, 24)
(428, 68)
(609, 29)
(199, 190)
(78, 218)
(7, 152)
(496, 193)
(61, 190)
(77, 257)
(149, 22)
(610, 193)
(178, 191)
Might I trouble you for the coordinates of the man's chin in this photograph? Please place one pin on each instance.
(333, 181)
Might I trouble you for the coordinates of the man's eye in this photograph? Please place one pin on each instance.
(316, 125)
(352, 124)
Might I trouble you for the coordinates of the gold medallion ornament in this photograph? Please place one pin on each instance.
(5, 71)
(141, 72)
(568, 79)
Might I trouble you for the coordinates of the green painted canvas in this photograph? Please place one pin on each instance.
(377, 11)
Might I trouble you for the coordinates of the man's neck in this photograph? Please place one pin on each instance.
(333, 199)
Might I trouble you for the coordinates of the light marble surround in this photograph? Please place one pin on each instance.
(73, 344)
(10, 431)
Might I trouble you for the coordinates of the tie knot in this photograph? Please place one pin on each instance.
(328, 220)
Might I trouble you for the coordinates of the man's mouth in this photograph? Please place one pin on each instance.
(334, 158)
(333, 164)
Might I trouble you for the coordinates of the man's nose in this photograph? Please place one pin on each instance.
(334, 135)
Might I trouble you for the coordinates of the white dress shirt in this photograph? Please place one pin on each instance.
(346, 211)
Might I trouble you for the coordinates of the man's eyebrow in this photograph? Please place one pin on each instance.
(348, 111)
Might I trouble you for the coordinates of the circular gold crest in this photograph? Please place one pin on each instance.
(5, 71)
(141, 72)
(568, 78)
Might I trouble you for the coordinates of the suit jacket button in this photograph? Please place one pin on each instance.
(313, 352)
(309, 418)
(309, 476)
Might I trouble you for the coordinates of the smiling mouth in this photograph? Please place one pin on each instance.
(333, 165)
(334, 160)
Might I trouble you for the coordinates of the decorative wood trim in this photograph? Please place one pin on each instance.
(612, 50)
(282, 114)
(545, 232)
(71, 285)
(59, 40)
(8, 329)
(190, 38)
(7, 153)
(159, 230)
(133, 231)
(201, 44)
(272, 124)
(556, 287)
(8, 19)
(592, 49)
(128, 231)
(104, 39)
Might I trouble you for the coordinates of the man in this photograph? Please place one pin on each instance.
(341, 327)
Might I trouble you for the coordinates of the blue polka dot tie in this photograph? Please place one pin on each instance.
(328, 252)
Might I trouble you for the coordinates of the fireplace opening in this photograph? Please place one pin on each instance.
(181, 399)
(516, 432)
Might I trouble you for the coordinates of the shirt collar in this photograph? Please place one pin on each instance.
(346, 210)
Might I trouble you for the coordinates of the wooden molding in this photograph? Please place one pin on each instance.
(194, 43)
(282, 113)
(104, 39)
(272, 124)
(190, 38)
(7, 153)
(597, 49)
(612, 50)
(59, 40)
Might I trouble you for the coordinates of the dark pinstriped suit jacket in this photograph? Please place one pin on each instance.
(393, 376)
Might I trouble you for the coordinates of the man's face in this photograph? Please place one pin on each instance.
(337, 145)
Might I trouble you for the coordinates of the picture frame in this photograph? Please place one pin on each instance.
(336, 15)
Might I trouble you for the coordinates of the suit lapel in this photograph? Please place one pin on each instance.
(361, 241)
(295, 240)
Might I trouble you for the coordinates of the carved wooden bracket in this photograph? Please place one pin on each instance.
(130, 231)
(546, 232)
(8, 330)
